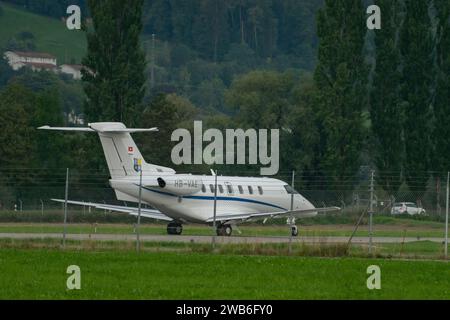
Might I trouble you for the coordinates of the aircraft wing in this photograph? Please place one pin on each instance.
(148, 213)
(279, 214)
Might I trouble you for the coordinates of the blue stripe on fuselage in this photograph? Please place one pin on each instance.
(218, 198)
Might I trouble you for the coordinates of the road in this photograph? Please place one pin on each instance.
(207, 239)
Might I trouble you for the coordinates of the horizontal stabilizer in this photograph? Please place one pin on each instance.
(102, 130)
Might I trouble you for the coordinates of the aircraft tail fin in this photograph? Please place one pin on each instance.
(121, 153)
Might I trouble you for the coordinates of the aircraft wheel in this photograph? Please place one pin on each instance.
(224, 230)
(174, 228)
(227, 230)
(294, 231)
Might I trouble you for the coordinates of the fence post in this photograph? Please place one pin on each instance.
(446, 216)
(65, 207)
(290, 216)
(371, 211)
(215, 211)
(138, 241)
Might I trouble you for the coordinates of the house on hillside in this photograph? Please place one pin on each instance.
(72, 69)
(35, 60)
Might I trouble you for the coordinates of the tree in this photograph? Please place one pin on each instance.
(296, 34)
(115, 63)
(6, 72)
(341, 77)
(300, 136)
(442, 107)
(158, 18)
(261, 99)
(210, 28)
(51, 149)
(16, 137)
(385, 100)
(168, 113)
(416, 48)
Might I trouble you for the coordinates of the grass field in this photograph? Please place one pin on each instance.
(246, 230)
(412, 250)
(51, 35)
(41, 274)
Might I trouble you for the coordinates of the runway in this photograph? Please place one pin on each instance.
(208, 239)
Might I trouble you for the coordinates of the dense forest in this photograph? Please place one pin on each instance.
(346, 98)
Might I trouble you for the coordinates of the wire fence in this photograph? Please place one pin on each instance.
(32, 189)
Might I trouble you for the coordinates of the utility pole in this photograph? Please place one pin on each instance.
(152, 76)
(292, 208)
(371, 211)
(65, 207)
(138, 242)
(215, 210)
(446, 216)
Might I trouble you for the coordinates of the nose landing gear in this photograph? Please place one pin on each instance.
(175, 228)
(294, 229)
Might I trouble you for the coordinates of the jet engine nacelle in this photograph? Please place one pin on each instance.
(181, 185)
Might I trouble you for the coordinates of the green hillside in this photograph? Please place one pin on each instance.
(51, 35)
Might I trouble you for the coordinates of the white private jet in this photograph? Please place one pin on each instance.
(187, 198)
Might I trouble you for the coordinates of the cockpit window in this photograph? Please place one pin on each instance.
(290, 190)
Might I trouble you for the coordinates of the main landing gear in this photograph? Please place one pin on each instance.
(224, 230)
(174, 228)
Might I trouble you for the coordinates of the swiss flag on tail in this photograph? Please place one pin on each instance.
(130, 150)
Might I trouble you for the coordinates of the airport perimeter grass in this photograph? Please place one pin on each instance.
(246, 230)
(425, 250)
(41, 274)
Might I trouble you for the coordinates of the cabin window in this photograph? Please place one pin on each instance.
(211, 187)
(260, 189)
(220, 188)
(230, 188)
(250, 190)
(203, 188)
(241, 190)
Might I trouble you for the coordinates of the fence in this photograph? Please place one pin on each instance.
(31, 189)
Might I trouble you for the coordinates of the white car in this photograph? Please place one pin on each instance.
(407, 208)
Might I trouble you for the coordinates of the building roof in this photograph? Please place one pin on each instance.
(31, 54)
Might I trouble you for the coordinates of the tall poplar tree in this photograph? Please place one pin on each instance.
(417, 48)
(442, 102)
(341, 78)
(114, 78)
(385, 99)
